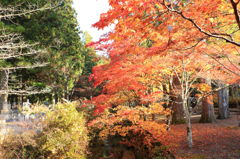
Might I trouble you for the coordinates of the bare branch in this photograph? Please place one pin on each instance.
(10, 56)
(13, 45)
(25, 67)
(24, 92)
(9, 12)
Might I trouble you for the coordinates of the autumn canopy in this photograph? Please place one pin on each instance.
(165, 52)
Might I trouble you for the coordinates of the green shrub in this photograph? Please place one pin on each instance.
(64, 133)
(63, 136)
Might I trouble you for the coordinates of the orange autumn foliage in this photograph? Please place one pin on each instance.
(146, 30)
(132, 125)
(155, 42)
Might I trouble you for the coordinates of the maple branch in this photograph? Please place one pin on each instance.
(215, 35)
(215, 59)
(232, 63)
(234, 5)
(229, 60)
(191, 47)
(224, 34)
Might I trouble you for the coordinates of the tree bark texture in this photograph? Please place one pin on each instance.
(223, 103)
(178, 112)
(188, 122)
(4, 75)
(177, 102)
(208, 115)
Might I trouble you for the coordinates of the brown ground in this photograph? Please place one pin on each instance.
(211, 141)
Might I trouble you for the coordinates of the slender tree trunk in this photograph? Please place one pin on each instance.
(167, 95)
(169, 121)
(208, 115)
(4, 103)
(144, 117)
(53, 98)
(223, 103)
(153, 117)
(4, 75)
(20, 100)
(66, 89)
(66, 93)
(235, 93)
(170, 116)
(57, 97)
(188, 122)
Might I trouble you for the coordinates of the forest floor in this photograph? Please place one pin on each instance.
(211, 141)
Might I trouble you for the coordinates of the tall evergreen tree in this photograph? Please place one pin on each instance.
(14, 49)
(57, 32)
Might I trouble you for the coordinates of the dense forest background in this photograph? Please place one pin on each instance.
(53, 52)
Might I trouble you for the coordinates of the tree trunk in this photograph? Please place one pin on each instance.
(66, 94)
(177, 103)
(207, 115)
(178, 112)
(223, 103)
(4, 75)
(235, 94)
(189, 125)
(4, 104)
(53, 98)
(153, 117)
